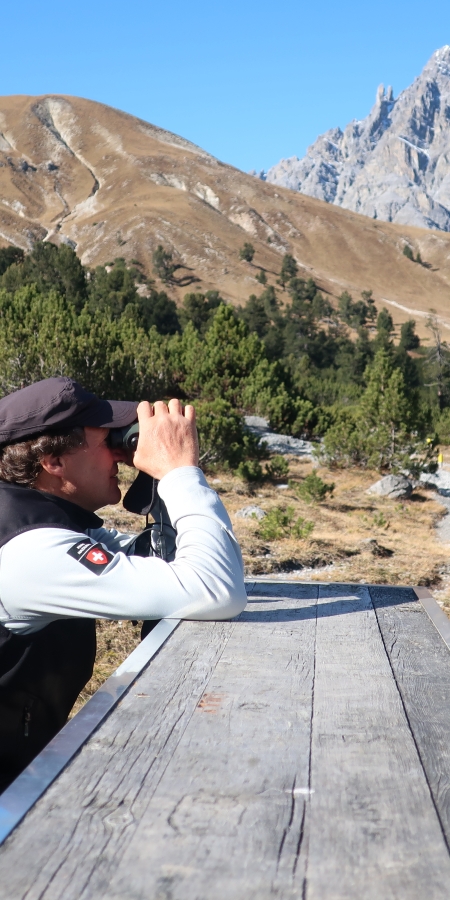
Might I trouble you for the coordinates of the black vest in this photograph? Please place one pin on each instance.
(41, 674)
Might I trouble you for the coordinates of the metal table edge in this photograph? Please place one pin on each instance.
(440, 621)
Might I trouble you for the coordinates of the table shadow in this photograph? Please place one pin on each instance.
(344, 604)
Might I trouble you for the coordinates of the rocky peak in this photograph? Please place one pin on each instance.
(392, 165)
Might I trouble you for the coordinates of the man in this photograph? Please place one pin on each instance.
(60, 569)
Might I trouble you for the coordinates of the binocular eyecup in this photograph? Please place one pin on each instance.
(124, 438)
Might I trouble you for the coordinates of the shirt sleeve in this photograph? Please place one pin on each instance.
(41, 579)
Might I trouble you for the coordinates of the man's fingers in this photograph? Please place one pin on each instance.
(189, 412)
(175, 407)
(160, 408)
(145, 410)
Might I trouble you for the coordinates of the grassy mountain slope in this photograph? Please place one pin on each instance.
(114, 185)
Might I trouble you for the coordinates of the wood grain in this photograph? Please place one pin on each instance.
(227, 818)
(373, 830)
(268, 757)
(75, 836)
(420, 662)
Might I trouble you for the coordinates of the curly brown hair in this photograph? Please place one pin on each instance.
(20, 463)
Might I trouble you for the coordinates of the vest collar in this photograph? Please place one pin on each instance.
(83, 518)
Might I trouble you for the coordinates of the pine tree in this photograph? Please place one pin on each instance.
(8, 256)
(409, 340)
(163, 265)
(438, 361)
(408, 252)
(247, 252)
(198, 309)
(289, 270)
(386, 416)
(367, 297)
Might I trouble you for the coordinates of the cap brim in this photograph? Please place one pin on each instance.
(108, 414)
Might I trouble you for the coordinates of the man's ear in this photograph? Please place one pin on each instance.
(53, 465)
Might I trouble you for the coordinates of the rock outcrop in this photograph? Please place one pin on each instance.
(393, 165)
(396, 487)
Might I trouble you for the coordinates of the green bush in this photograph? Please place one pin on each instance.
(247, 252)
(380, 521)
(221, 433)
(408, 252)
(277, 468)
(312, 489)
(250, 470)
(281, 523)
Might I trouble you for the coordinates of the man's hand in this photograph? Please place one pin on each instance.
(167, 438)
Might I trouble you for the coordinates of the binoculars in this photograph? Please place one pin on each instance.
(124, 438)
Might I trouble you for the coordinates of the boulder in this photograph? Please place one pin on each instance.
(247, 512)
(396, 487)
(281, 444)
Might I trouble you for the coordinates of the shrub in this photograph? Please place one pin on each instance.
(250, 470)
(312, 489)
(380, 521)
(221, 433)
(281, 523)
(247, 252)
(163, 265)
(277, 468)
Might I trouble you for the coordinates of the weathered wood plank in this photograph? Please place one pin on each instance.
(266, 757)
(227, 818)
(73, 839)
(420, 661)
(373, 829)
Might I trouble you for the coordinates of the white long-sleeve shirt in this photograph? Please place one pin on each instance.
(41, 578)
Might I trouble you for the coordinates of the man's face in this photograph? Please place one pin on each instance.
(90, 472)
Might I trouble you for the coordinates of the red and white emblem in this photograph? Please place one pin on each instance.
(97, 556)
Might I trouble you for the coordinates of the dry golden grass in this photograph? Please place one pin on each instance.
(357, 537)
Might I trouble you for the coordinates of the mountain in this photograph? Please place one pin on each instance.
(110, 184)
(395, 164)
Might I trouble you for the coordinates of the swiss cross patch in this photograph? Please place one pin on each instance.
(93, 556)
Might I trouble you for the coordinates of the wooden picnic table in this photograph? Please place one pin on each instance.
(301, 750)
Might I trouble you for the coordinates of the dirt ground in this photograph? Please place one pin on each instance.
(357, 537)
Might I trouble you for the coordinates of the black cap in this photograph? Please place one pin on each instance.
(58, 403)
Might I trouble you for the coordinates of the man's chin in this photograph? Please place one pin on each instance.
(116, 496)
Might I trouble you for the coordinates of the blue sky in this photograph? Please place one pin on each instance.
(250, 82)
